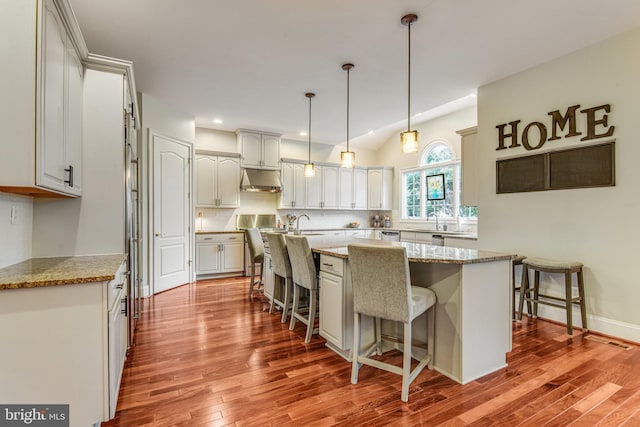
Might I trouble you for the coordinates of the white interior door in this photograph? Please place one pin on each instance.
(171, 237)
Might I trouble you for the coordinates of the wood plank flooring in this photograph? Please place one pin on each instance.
(206, 356)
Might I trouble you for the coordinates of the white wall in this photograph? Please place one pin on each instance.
(94, 223)
(597, 226)
(15, 244)
(439, 128)
(165, 120)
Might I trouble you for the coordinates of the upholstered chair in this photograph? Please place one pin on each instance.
(305, 279)
(382, 289)
(256, 254)
(282, 269)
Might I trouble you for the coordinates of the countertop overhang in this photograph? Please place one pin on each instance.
(38, 272)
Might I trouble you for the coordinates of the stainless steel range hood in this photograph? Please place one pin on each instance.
(260, 180)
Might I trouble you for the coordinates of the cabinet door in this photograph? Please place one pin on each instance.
(206, 171)
(51, 146)
(330, 187)
(233, 255)
(346, 188)
(208, 258)
(74, 94)
(228, 182)
(314, 189)
(251, 147)
(360, 188)
(300, 187)
(331, 315)
(270, 152)
(287, 176)
(374, 188)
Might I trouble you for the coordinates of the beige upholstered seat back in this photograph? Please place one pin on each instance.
(381, 281)
(279, 255)
(303, 268)
(256, 247)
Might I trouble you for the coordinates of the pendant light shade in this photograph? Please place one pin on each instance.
(309, 168)
(347, 158)
(409, 139)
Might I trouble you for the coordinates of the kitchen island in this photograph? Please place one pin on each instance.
(473, 321)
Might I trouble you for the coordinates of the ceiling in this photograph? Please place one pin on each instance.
(250, 62)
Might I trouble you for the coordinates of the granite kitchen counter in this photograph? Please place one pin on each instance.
(38, 272)
(416, 252)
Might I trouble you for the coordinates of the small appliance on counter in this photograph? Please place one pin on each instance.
(376, 222)
(387, 222)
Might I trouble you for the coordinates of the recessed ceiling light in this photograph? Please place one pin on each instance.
(303, 133)
(217, 121)
(370, 132)
(473, 95)
(418, 114)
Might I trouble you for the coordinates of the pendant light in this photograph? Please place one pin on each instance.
(309, 168)
(409, 139)
(347, 158)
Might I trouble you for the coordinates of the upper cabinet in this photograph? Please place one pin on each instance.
(469, 167)
(217, 180)
(353, 188)
(41, 64)
(379, 184)
(294, 187)
(322, 189)
(259, 150)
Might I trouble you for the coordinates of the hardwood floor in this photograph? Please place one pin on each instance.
(206, 356)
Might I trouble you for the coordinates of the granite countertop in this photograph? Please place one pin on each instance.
(37, 272)
(416, 252)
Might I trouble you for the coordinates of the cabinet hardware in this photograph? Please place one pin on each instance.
(70, 181)
(327, 264)
(208, 238)
(157, 234)
(124, 310)
(119, 285)
(232, 238)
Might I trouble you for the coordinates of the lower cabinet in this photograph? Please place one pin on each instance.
(65, 344)
(336, 304)
(219, 253)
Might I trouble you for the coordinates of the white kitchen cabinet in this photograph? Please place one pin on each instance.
(353, 188)
(323, 188)
(217, 180)
(42, 99)
(219, 253)
(71, 347)
(379, 185)
(469, 167)
(336, 313)
(260, 150)
(458, 242)
(294, 186)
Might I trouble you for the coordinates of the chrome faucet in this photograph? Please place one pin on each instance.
(297, 231)
(436, 217)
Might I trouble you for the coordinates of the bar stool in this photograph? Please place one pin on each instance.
(305, 277)
(256, 254)
(514, 262)
(382, 289)
(281, 268)
(552, 266)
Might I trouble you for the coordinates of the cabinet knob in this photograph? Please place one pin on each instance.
(157, 234)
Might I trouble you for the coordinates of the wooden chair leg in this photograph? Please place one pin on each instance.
(313, 302)
(253, 277)
(431, 335)
(355, 351)
(583, 310)
(286, 300)
(294, 308)
(568, 301)
(378, 329)
(524, 292)
(406, 363)
(536, 292)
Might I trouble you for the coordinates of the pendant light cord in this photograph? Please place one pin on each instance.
(309, 129)
(348, 71)
(409, 82)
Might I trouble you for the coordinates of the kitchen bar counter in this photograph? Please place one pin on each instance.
(416, 252)
(473, 316)
(38, 272)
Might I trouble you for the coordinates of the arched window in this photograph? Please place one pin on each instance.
(419, 201)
